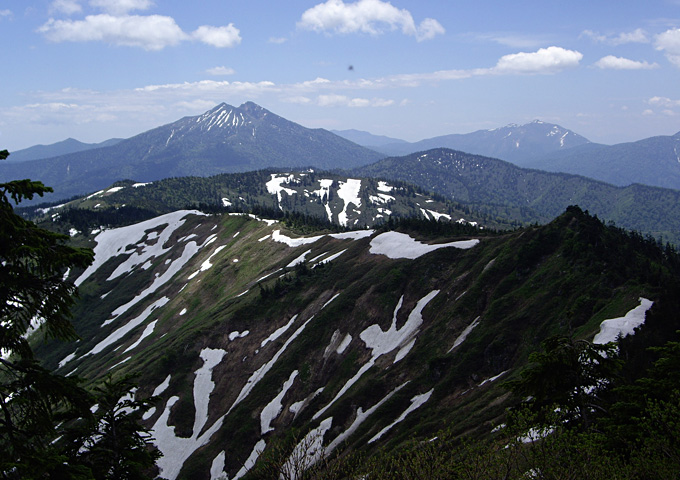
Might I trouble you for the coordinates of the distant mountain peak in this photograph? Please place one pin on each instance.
(221, 117)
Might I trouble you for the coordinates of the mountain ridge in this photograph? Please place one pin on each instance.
(484, 180)
(511, 142)
(246, 330)
(223, 139)
(64, 147)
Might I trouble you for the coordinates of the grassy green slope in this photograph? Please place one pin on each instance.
(522, 286)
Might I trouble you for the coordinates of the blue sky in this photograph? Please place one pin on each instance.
(98, 69)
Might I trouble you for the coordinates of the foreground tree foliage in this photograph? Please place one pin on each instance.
(38, 406)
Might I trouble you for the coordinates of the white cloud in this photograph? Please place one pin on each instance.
(150, 32)
(332, 100)
(428, 29)
(121, 7)
(636, 36)
(512, 40)
(208, 87)
(620, 63)
(220, 71)
(669, 42)
(663, 102)
(220, 37)
(335, 100)
(545, 60)
(5, 13)
(298, 99)
(278, 40)
(366, 16)
(153, 32)
(67, 7)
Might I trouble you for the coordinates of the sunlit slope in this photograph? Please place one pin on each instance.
(247, 331)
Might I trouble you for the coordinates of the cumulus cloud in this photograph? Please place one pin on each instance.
(150, 32)
(220, 37)
(636, 36)
(669, 43)
(220, 71)
(121, 7)
(5, 13)
(620, 63)
(278, 40)
(544, 60)
(153, 32)
(366, 16)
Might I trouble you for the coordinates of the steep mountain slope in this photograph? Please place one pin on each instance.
(512, 142)
(70, 145)
(358, 340)
(476, 179)
(652, 161)
(224, 139)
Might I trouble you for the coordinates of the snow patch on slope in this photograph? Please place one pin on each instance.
(381, 343)
(361, 416)
(399, 245)
(416, 402)
(349, 193)
(176, 450)
(306, 453)
(128, 327)
(273, 408)
(111, 243)
(611, 329)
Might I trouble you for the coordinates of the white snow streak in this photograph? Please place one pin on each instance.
(190, 249)
(298, 260)
(463, 335)
(416, 402)
(111, 243)
(330, 259)
(381, 343)
(147, 331)
(177, 449)
(278, 332)
(273, 408)
(217, 467)
(252, 458)
(128, 327)
(162, 387)
(262, 371)
(306, 453)
(207, 264)
(361, 416)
